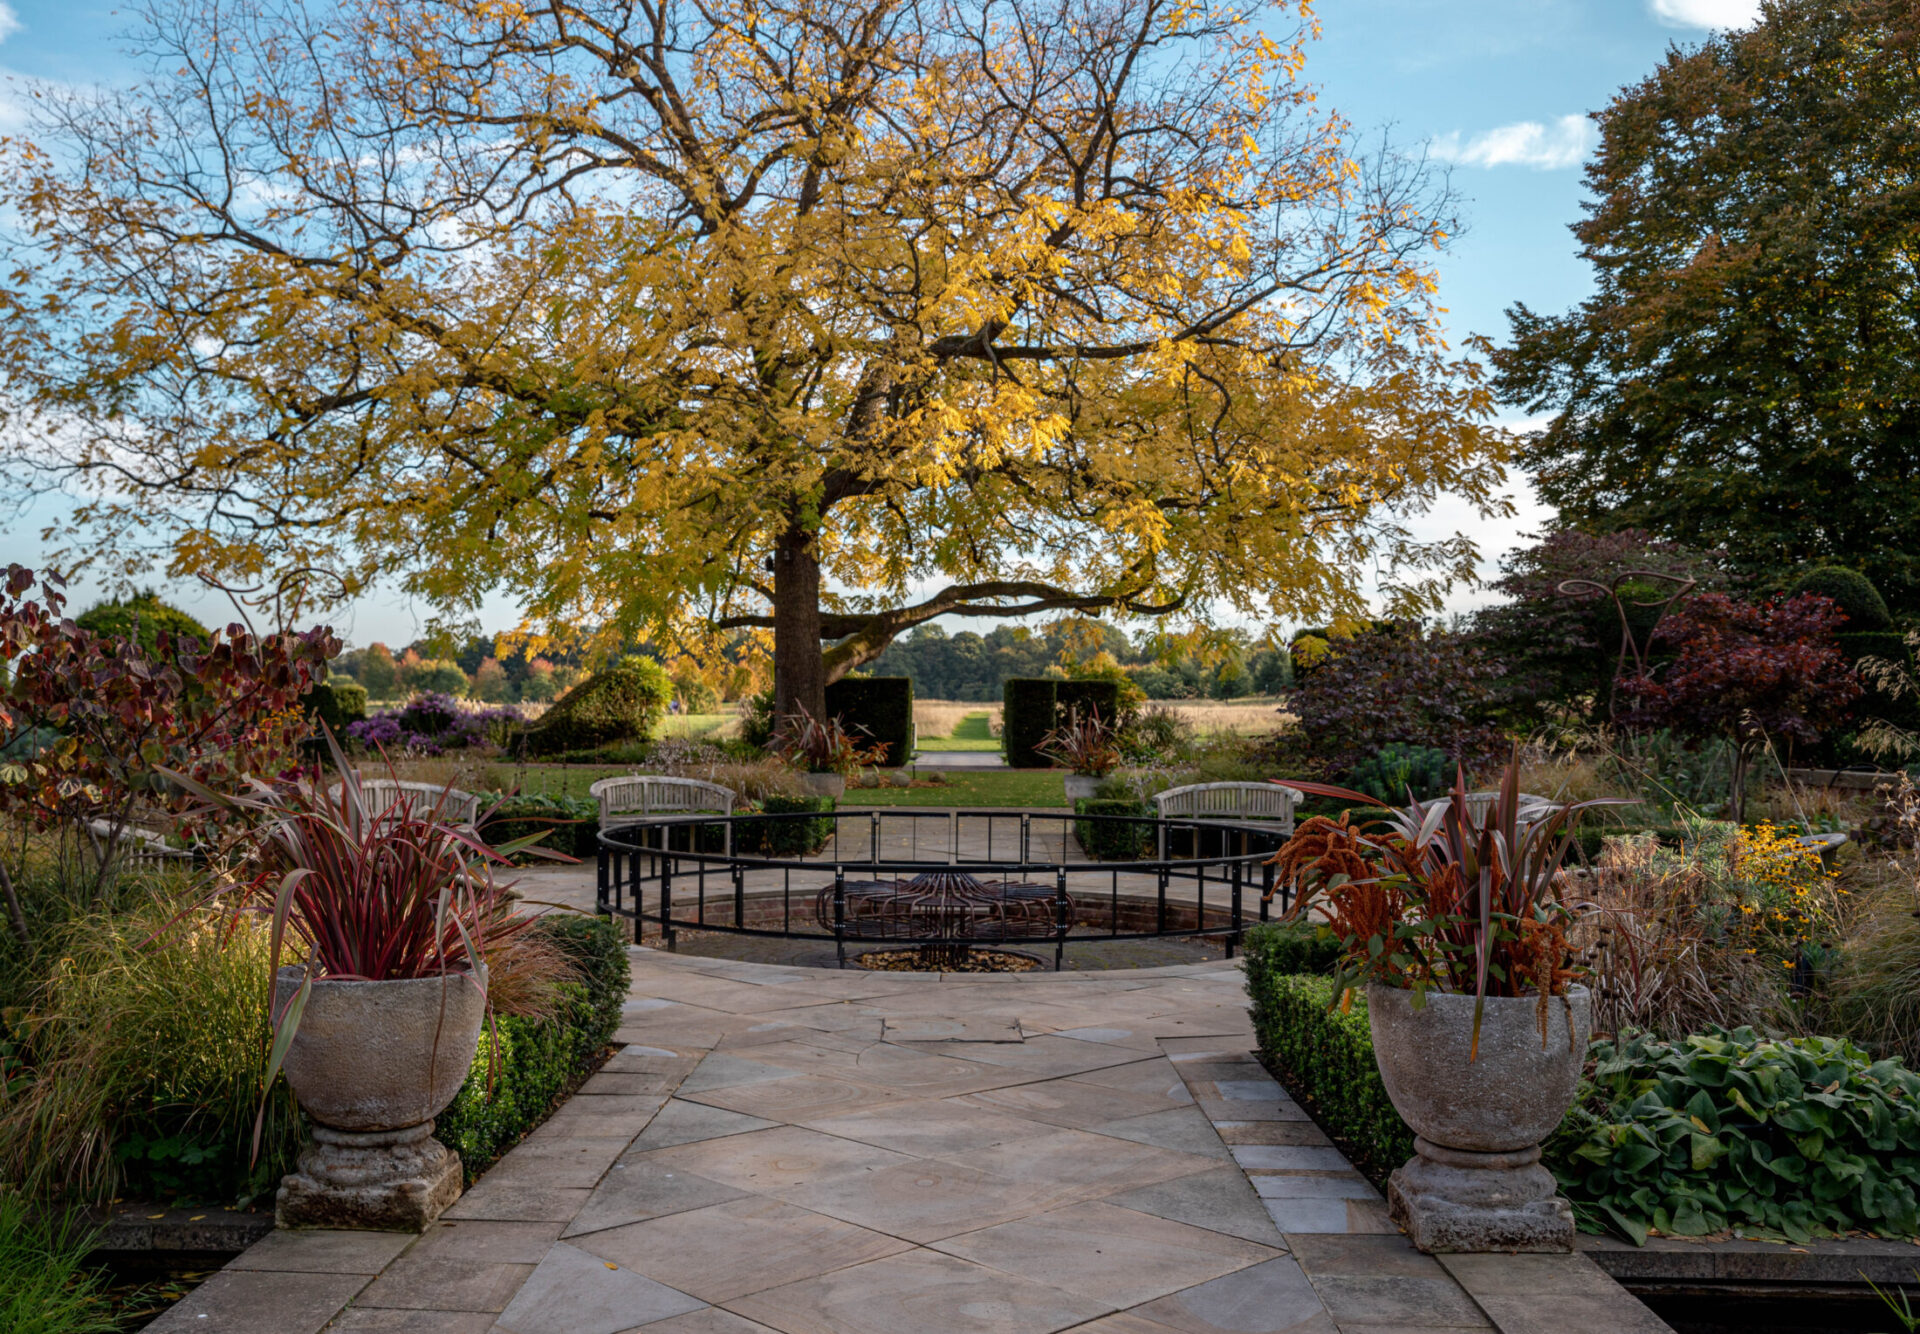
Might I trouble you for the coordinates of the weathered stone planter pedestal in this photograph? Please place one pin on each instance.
(384, 1180)
(1455, 1200)
(1479, 1115)
(372, 1064)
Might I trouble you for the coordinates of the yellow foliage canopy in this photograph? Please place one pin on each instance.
(1000, 306)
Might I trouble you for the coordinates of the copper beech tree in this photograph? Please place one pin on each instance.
(817, 318)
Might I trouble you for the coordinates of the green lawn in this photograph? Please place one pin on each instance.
(696, 726)
(973, 732)
(562, 780)
(990, 787)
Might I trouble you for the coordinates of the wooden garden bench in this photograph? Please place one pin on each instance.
(383, 795)
(1269, 806)
(649, 799)
(142, 847)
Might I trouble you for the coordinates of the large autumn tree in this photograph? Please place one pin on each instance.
(1746, 374)
(819, 318)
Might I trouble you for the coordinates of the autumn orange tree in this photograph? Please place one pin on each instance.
(821, 319)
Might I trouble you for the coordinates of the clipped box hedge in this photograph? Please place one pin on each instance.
(1032, 706)
(571, 824)
(1324, 1057)
(790, 837)
(876, 709)
(1115, 840)
(539, 1061)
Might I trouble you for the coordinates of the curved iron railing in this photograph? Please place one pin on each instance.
(939, 880)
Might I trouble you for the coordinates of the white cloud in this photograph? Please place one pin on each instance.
(1563, 143)
(9, 21)
(1705, 13)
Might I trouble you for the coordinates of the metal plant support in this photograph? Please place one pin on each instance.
(1630, 647)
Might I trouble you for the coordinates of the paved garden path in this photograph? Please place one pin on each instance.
(820, 1152)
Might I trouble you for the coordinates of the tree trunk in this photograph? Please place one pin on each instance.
(799, 675)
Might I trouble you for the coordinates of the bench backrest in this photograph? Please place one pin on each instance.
(640, 796)
(140, 847)
(1229, 801)
(382, 795)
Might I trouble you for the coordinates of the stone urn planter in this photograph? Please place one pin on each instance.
(371, 1064)
(1080, 785)
(1477, 1183)
(825, 785)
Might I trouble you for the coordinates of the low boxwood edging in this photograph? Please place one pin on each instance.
(1114, 840)
(787, 838)
(1777, 1137)
(1325, 1059)
(539, 1061)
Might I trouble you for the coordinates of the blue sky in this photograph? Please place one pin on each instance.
(1499, 88)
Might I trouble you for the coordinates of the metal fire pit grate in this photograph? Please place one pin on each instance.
(944, 912)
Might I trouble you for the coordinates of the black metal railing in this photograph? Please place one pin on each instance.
(941, 881)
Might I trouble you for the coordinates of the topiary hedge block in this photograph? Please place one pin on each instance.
(876, 709)
(1089, 696)
(622, 704)
(1026, 716)
(1033, 706)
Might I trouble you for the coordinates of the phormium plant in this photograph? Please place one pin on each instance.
(1443, 897)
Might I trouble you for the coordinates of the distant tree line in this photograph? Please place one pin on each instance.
(967, 665)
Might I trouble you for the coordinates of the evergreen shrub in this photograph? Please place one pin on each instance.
(1026, 717)
(525, 1067)
(1391, 771)
(790, 837)
(571, 824)
(1324, 1057)
(338, 703)
(1866, 610)
(622, 704)
(149, 613)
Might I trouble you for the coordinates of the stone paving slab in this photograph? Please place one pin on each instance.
(773, 1151)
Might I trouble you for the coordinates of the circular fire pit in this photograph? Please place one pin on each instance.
(941, 885)
(944, 912)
